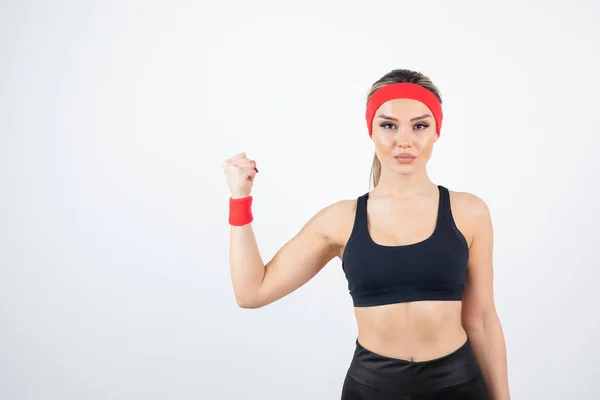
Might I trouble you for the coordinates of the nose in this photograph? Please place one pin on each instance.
(404, 136)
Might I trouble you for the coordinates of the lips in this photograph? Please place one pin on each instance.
(404, 156)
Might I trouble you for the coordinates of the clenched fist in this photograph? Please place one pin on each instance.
(240, 172)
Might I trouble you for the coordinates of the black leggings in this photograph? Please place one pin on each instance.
(375, 377)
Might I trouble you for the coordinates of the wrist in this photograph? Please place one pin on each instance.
(240, 210)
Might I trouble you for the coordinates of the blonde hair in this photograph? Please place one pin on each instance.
(398, 76)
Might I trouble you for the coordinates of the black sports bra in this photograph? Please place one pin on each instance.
(432, 269)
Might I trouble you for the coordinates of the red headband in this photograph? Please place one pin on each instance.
(404, 91)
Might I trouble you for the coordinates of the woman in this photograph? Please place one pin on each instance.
(417, 257)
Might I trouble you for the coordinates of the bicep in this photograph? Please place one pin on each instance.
(299, 260)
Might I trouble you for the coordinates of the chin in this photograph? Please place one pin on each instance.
(405, 169)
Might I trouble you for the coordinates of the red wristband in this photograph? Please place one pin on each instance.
(240, 211)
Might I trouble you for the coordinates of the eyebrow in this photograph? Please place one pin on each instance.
(396, 120)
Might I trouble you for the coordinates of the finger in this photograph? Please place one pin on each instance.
(249, 169)
(246, 163)
(234, 159)
(248, 172)
(248, 177)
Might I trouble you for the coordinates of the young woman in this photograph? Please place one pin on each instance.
(417, 257)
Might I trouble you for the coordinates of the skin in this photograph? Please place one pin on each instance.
(402, 210)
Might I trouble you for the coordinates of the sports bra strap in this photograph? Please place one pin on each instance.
(360, 219)
(444, 210)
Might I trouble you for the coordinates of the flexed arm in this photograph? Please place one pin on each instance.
(257, 284)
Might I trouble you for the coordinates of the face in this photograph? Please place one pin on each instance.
(403, 133)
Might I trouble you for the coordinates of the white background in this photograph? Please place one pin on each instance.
(115, 119)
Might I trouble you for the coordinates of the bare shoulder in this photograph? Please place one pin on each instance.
(335, 222)
(468, 202)
(468, 210)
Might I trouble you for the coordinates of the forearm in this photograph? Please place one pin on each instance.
(246, 266)
(489, 349)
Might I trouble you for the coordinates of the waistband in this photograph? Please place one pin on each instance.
(411, 377)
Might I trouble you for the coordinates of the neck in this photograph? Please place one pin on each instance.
(395, 184)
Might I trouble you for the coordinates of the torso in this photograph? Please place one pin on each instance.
(417, 330)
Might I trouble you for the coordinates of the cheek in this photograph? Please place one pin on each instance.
(424, 146)
(383, 145)
(427, 148)
(426, 141)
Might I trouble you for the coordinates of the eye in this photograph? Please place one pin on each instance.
(385, 124)
(423, 124)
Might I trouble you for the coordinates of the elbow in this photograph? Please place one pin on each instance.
(247, 303)
(483, 322)
(473, 327)
(251, 298)
(475, 324)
